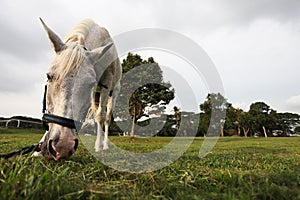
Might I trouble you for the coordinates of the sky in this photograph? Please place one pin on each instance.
(254, 45)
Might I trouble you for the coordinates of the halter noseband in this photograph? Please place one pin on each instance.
(51, 118)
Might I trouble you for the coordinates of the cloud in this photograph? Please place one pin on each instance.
(13, 104)
(293, 103)
(254, 44)
(260, 62)
(18, 76)
(20, 43)
(21, 33)
(247, 11)
(25, 51)
(204, 17)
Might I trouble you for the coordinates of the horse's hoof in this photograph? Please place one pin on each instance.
(97, 149)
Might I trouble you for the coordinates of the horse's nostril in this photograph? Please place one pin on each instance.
(71, 153)
(76, 144)
(51, 150)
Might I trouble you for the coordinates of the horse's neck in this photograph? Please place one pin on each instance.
(97, 37)
(94, 37)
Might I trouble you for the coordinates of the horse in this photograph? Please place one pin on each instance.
(83, 81)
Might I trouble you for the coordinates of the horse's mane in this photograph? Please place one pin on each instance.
(72, 57)
(69, 60)
(80, 32)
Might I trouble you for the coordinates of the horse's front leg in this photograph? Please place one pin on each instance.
(111, 102)
(99, 137)
(109, 107)
(99, 118)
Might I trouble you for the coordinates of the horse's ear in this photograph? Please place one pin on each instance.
(100, 51)
(57, 43)
(104, 53)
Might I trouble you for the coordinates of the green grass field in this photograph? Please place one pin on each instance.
(237, 168)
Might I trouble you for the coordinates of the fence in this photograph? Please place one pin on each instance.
(20, 123)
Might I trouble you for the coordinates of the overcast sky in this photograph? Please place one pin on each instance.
(254, 44)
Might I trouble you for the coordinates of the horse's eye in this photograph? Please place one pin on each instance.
(49, 76)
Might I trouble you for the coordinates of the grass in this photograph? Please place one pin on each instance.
(237, 168)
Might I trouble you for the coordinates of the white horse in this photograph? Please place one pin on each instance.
(83, 79)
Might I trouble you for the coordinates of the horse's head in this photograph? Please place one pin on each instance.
(71, 76)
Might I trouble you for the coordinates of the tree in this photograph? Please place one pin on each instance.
(239, 113)
(230, 120)
(143, 91)
(245, 122)
(287, 121)
(262, 117)
(177, 117)
(169, 128)
(217, 104)
(203, 124)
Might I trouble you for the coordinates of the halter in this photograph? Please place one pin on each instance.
(47, 118)
(51, 118)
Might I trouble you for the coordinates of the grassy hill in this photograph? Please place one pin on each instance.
(237, 168)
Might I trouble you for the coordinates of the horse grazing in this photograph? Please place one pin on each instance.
(83, 80)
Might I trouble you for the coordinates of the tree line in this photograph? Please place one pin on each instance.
(261, 119)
